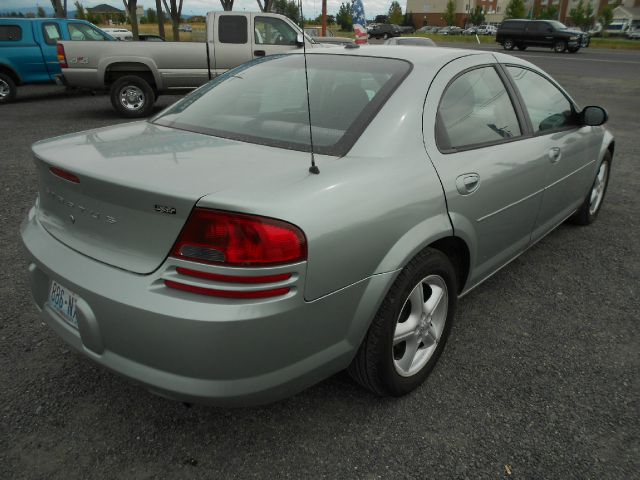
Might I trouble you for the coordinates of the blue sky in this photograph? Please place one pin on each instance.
(196, 7)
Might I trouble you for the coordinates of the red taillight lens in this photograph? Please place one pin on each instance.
(211, 236)
(58, 172)
(276, 292)
(62, 58)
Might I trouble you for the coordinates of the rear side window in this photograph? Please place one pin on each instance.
(548, 108)
(51, 33)
(232, 29)
(265, 101)
(10, 33)
(475, 110)
(513, 26)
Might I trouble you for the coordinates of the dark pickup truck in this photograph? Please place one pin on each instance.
(540, 33)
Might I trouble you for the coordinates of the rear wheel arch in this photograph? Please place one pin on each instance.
(117, 70)
(11, 73)
(457, 251)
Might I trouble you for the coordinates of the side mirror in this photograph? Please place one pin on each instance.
(300, 40)
(593, 116)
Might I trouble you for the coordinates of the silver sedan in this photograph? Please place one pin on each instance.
(240, 246)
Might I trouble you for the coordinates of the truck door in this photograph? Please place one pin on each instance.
(50, 33)
(232, 44)
(272, 35)
(24, 52)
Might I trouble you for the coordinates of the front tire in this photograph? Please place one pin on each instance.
(508, 44)
(8, 90)
(410, 328)
(132, 96)
(560, 46)
(588, 211)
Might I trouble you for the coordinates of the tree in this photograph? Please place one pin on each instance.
(407, 20)
(160, 18)
(265, 6)
(227, 5)
(476, 16)
(381, 19)
(344, 18)
(80, 13)
(449, 15)
(151, 15)
(577, 14)
(515, 9)
(395, 13)
(589, 18)
(41, 13)
(131, 7)
(549, 13)
(288, 8)
(58, 9)
(174, 13)
(606, 17)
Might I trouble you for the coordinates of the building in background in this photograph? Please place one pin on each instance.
(430, 12)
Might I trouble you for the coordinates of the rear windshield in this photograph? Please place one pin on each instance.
(265, 101)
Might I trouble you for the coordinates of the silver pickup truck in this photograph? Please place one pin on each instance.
(137, 72)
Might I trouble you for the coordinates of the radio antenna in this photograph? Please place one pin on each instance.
(313, 168)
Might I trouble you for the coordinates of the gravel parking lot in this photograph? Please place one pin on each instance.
(539, 378)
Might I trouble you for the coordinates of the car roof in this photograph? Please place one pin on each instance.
(433, 56)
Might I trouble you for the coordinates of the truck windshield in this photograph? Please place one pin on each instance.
(265, 101)
(558, 25)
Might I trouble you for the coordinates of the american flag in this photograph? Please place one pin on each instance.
(359, 22)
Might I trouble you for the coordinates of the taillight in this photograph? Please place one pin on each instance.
(62, 59)
(216, 237)
(58, 172)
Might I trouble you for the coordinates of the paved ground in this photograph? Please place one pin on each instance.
(540, 373)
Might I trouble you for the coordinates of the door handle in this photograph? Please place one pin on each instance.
(467, 183)
(554, 154)
(259, 53)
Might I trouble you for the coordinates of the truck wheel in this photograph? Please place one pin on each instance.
(132, 96)
(560, 46)
(508, 44)
(7, 88)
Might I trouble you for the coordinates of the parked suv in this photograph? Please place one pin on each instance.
(384, 30)
(540, 33)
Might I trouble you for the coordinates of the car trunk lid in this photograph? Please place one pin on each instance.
(137, 184)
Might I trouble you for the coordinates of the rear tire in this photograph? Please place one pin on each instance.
(410, 329)
(588, 211)
(560, 46)
(508, 44)
(132, 96)
(8, 89)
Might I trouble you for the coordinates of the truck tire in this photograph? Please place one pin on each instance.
(560, 46)
(132, 96)
(8, 88)
(508, 44)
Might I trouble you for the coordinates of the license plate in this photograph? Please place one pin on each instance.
(63, 301)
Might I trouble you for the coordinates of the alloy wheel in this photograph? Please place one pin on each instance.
(420, 325)
(599, 185)
(5, 90)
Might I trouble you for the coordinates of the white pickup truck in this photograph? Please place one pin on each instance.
(137, 72)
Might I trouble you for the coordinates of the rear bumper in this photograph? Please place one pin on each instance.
(195, 348)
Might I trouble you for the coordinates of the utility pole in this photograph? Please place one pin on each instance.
(66, 15)
(324, 18)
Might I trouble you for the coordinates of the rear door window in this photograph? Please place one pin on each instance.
(475, 110)
(232, 29)
(51, 33)
(10, 33)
